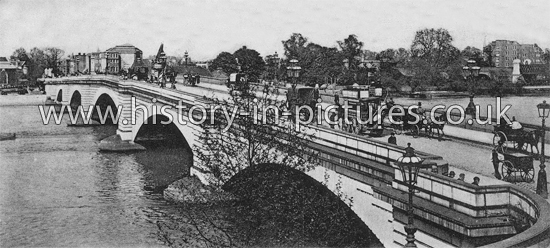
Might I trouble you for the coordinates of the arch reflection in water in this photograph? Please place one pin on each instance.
(168, 156)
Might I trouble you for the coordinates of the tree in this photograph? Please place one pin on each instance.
(401, 56)
(227, 148)
(320, 64)
(472, 53)
(53, 56)
(295, 46)
(351, 51)
(226, 62)
(20, 54)
(37, 63)
(251, 62)
(546, 56)
(488, 56)
(433, 57)
(388, 54)
(435, 47)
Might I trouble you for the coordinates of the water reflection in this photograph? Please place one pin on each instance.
(56, 189)
(524, 108)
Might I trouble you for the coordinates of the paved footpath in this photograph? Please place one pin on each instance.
(472, 159)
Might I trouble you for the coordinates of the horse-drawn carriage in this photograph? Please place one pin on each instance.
(521, 139)
(298, 96)
(413, 121)
(366, 110)
(237, 83)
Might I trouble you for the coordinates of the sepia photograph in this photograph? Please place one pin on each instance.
(276, 123)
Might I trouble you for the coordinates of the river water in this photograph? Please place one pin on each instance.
(57, 189)
(523, 108)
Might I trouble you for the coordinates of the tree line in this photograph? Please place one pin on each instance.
(38, 59)
(431, 61)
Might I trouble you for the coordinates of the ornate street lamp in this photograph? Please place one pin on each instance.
(293, 71)
(471, 72)
(409, 165)
(542, 187)
(370, 69)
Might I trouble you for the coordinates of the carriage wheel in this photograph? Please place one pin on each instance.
(528, 175)
(415, 130)
(499, 136)
(507, 169)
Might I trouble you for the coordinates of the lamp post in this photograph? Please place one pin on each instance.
(470, 73)
(370, 69)
(409, 165)
(542, 187)
(293, 71)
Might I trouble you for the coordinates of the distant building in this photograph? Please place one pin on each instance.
(203, 64)
(98, 62)
(9, 74)
(65, 66)
(114, 62)
(505, 51)
(127, 54)
(82, 63)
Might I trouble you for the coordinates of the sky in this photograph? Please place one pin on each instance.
(205, 28)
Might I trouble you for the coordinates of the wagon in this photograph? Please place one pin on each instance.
(516, 167)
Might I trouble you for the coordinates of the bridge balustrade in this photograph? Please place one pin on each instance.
(478, 212)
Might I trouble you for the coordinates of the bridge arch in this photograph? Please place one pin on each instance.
(76, 100)
(104, 102)
(59, 97)
(189, 131)
(105, 91)
(151, 134)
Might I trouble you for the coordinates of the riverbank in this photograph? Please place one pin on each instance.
(22, 100)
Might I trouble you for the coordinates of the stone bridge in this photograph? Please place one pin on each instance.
(448, 213)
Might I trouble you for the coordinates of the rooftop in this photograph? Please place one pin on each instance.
(124, 49)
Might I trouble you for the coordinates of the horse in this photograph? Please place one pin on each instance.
(438, 124)
(530, 138)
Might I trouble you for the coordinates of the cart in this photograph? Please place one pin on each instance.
(516, 167)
